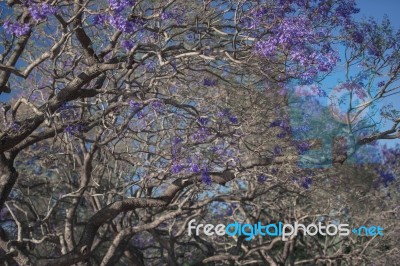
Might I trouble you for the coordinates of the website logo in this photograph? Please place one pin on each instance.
(283, 230)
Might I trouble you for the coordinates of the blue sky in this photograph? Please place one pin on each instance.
(378, 8)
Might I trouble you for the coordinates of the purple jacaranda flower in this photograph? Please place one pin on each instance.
(229, 211)
(157, 105)
(176, 168)
(119, 5)
(303, 129)
(206, 178)
(41, 11)
(99, 19)
(201, 135)
(210, 82)
(202, 121)
(373, 50)
(307, 181)
(224, 113)
(302, 147)
(346, 8)
(74, 129)
(134, 105)
(357, 37)
(127, 44)
(294, 37)
(233, 119)
(15, 126)
(385, 176)
(150, 67)
(280, 123)
(266, 48)
(281, 135)
(121, 23)
(277, 150)
(16, 28)
(166, 15)
(194, 168)
(67, 111)
(177, 140)
(355, 87)
(381, 84)
(176, 147)
(262, 178)
(3, 214)
(140, 114)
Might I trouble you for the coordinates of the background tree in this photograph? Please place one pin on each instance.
(133, 117)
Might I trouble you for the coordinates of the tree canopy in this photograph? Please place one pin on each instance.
(130, 118)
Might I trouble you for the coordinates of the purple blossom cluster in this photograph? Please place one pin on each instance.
(277, 150)
(122, 23)
(191, 163)
(300, 39)
(262, 178)
(357, 36)
(206, 178)
(389, 160)
(226, 114)
(310, 90)
(127, 44)
(177, 167)
(381, 84)
(344, 9)
(99, 19)
(302, 129)
(67, 112)
(176, 150)
(16, 28)
(225, 152)
(302, 147)
(376, 38)
(41, 11)
(135, 106)
(193, 159)
(202, 121)
(118, 18)
(304, 181)
(175, 13)
(157, 105)
(391, 155)
(210, 82)
(120, 5)
(15, 126)
(150, 66)
(201, 135)
(291, 32)
(385, 176)
(3, 214)
(354, 87)
(195, 168)
(166, 15)
(74, 129)
(284, 125)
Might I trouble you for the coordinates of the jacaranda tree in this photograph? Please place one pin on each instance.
(130, 118)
